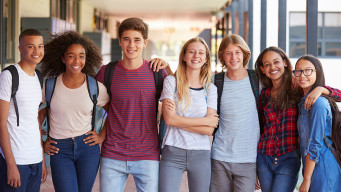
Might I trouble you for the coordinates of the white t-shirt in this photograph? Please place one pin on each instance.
(198, 108)
(25, 138)
(71, 109)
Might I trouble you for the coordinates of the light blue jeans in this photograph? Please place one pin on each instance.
(175, 161)
(114, 174)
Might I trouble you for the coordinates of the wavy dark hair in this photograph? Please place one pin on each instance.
(52, 64)
(288, 95)
(320, 80)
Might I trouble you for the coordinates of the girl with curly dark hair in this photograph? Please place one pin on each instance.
(73, 146)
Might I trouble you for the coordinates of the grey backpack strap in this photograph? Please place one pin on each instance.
(93, 93)
(50, 84)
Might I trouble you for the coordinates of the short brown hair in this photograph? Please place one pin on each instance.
(133, 23)
(235, 40)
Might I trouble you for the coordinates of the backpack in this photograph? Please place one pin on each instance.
(335, 148)
(158, 85)
(15, 85)
(92, 86)
(219, 83)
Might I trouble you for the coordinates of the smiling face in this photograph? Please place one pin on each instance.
(31, 49)
(74, 58)
(132, 44)
(195, 56)
(305, 82)
(233, 57)
(273, 65)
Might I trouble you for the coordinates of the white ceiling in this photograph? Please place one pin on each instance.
(183, 15)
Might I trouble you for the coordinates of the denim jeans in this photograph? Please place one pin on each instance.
(74, 167)
(114, 174)
(175, 161)
(278, 173)
(30, 177)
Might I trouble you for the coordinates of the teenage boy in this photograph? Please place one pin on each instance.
(131, 145)
(20, 142)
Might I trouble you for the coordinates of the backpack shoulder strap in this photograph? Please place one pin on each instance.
(40, 77)
(50, 84)
(109, 70)
(254, 84)
(158, 86)
(219, 83)
(15, 85)
(92, 86)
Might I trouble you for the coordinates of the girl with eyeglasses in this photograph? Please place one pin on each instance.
(278, 159)
(321, 170)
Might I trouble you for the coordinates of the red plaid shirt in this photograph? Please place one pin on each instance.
(280, 134)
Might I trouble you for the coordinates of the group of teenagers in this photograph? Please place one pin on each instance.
(258, 136)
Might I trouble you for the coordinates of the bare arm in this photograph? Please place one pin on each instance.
(41, 117)
(308, 172)
(13, 175)
(196, 125)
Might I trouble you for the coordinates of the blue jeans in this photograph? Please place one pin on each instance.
(30, 177)
(175, 161)
(278, 173)
(74, 167)
(114, 174)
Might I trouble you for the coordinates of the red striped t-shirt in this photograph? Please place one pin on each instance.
(131, 130)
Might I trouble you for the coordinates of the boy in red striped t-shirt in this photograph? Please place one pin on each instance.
(131, 144)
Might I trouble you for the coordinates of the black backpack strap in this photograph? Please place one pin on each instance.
(254, 84)
(15, 85)
(254, 81)
(219, 83)
(40, 77)
(92, 86)
(158, 86)
(50, 84)
(109, 70)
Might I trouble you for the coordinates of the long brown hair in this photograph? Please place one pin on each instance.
(287, 95)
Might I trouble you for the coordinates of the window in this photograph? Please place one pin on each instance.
(328, 34)
(64, 9)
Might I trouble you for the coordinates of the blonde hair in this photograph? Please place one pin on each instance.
(235, 40)
(180, 73)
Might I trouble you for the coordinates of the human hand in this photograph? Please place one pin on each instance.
(13, 176)
(48, 148)
(94, 138)
(305, 185)
(212, 120)
(313, 96)
(257, 186)
(157, 64)
(44, 172)
(170, 105)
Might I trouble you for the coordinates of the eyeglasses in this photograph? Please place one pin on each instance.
(306, 72)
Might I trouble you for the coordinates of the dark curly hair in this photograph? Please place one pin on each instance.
(52, 64)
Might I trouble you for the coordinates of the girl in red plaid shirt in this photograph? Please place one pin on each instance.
(278, 159)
